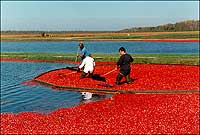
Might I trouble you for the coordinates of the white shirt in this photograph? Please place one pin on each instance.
(89, 64)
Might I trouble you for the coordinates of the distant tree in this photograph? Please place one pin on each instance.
(188, 25)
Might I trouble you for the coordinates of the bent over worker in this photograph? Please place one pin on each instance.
(88, 64)
(124, 65)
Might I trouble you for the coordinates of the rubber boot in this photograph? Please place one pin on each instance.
(128, 79)
(90, 75)
(83, 75)
(118, 79)
(78, 70)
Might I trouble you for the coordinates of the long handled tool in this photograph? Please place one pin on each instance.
(109, 72)
(106, 84)
(76, 54)
(64, 75)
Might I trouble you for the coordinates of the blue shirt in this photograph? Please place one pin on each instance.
(84, 53)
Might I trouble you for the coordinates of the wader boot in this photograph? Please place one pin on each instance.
(118, 79)
(83, 75)
(90, 75)
(128, 79)
(78, 70)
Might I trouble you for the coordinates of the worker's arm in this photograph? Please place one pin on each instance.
(131, 59)
(82, 64)
(120, 61)
(94, 64)
(82, 53)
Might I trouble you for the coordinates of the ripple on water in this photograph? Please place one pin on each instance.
(17, 97)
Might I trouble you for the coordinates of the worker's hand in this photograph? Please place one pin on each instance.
(117, 67)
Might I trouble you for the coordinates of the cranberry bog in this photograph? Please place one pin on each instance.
(147, 78)
(163, 99)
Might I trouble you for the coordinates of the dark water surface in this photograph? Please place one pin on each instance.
(17, 97)
(103, 47)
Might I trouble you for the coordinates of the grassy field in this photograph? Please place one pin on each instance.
(183, 59)
(100, 36)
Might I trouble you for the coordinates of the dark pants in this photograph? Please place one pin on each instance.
(83, 75)
(120, 76)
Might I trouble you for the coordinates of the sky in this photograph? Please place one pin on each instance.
(93, 16)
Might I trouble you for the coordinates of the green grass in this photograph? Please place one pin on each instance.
(173, 36)
(183, 59)
(33, 39)
(115, 37)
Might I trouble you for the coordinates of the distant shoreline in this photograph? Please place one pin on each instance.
(185, 36)
(105, 40)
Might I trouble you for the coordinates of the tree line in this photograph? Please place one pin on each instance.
(188, 25)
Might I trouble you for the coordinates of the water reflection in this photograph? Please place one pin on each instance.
(29, 97)
(91, 97)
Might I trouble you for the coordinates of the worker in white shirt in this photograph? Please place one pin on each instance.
(88, 64)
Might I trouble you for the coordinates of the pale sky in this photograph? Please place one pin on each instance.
(93, 16)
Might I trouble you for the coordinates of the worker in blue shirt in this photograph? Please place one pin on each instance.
(83, 52)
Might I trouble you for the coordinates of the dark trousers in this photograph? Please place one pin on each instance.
(83, 75)
(120, 76)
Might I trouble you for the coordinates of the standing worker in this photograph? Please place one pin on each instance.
(124, 65)
(83, 52)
